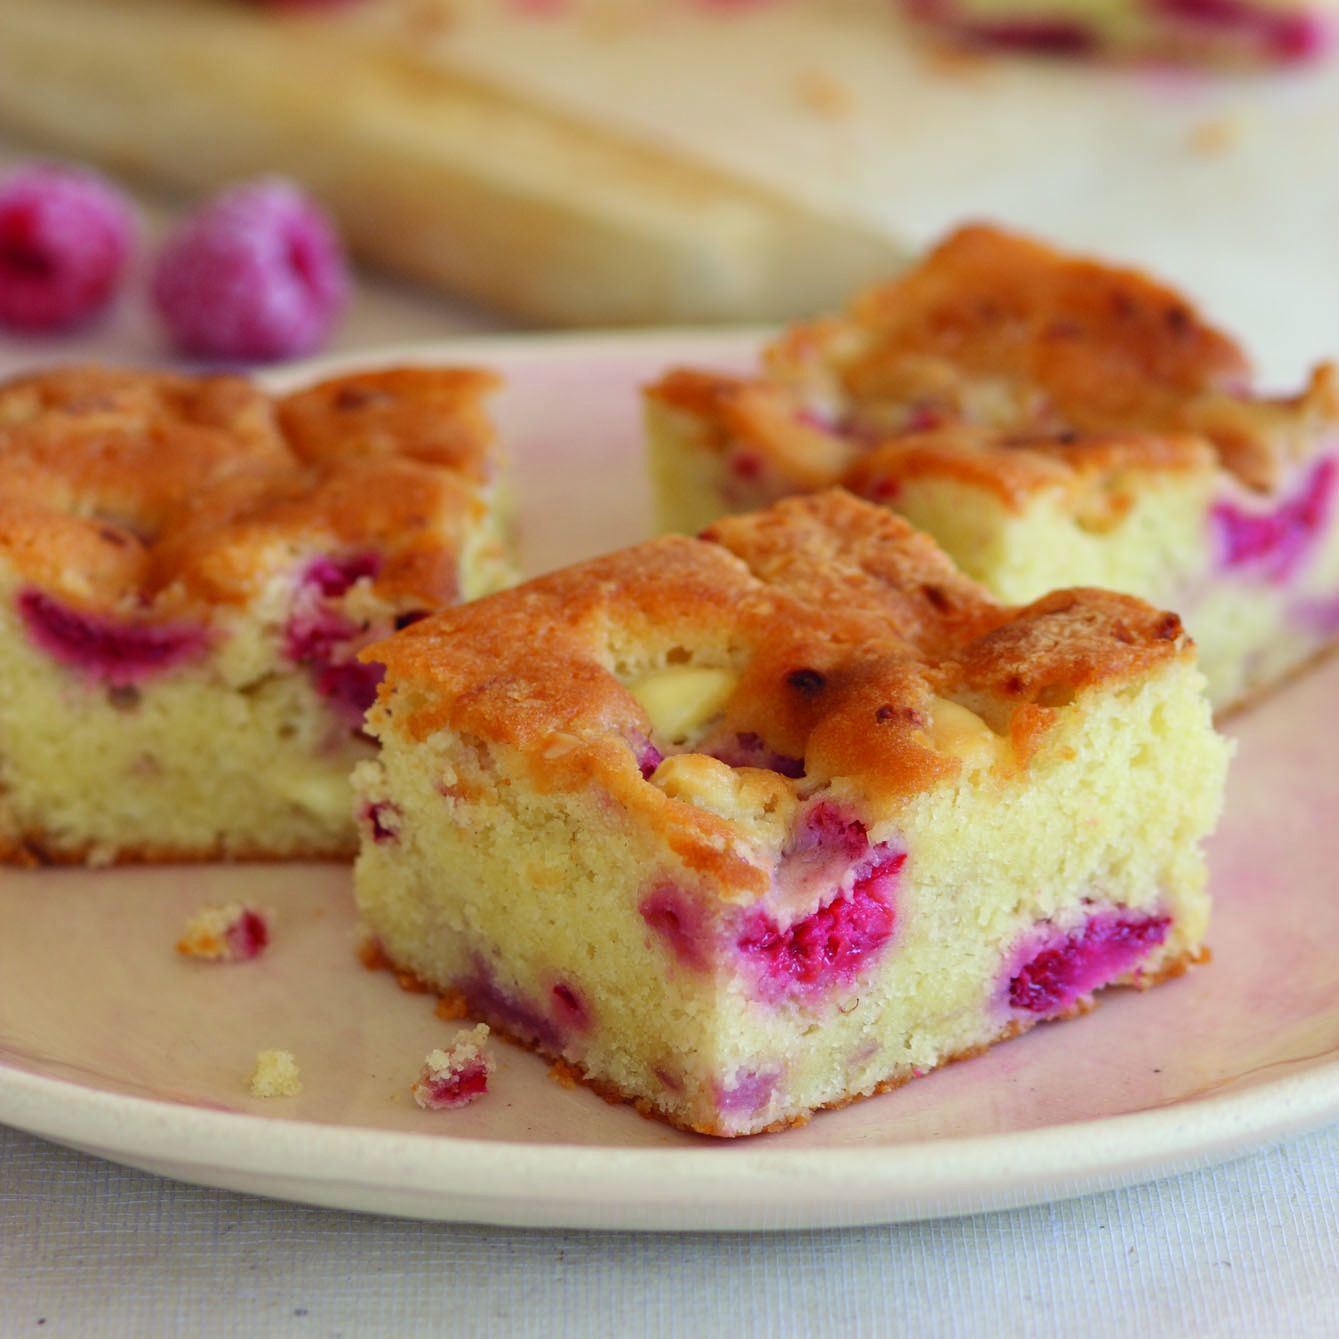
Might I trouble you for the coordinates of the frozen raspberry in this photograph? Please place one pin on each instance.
(65, 235)
(257, 274)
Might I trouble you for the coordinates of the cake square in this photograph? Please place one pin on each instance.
(188, 568)
(742, 826)
(1190, 32)
(1051, 421)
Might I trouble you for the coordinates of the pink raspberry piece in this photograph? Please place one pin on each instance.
(233, 933)
(457, 1076)
(678, 921)
(648, 756)
(118, 653)
(749, 1093)
(1275, 35)
(351, 688)
(569, 1005)
(318, 633)
(521, 1017)
(1274, 544)
(1068, 967)
(257, 274)
(65, 236)
(830, 945)
(750, 750)
(382, 820)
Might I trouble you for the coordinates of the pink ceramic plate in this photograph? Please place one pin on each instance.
(111, 1043)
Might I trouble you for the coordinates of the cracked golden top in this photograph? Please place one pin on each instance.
(135, 491)
(822, 638)
(1007, 362)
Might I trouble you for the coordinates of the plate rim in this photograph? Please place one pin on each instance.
(725, 1185)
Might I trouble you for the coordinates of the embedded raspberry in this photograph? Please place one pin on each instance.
(257, 274)
(65, 235)
(1274, 35)
(832, 944)
(1276, 543)
(233, 933)
(570, 1007)
(336, 576)
(119, 653)
(1109, 945)
(648, 756)
(827, 833)
(749, 1093)
(351, 687)
(382, 821)
(320, 636)
(750, 750)
(680, 923)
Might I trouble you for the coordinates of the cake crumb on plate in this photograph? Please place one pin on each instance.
(457, 1076)
(230, 933)
(275, 1074)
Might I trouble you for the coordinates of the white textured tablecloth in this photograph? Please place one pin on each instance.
(91, 1249)
(1249, 1249)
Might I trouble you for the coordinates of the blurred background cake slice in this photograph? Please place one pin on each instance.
(1188, 32)
(1048, 419)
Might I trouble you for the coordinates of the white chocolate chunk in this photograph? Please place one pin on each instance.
(760, 801)
(700, 780)
(681, 699)
(956, 730)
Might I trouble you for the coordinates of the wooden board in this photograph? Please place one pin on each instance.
(437, 173)
(618, 161)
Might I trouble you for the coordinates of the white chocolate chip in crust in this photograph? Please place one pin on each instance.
(697, 779)
(682, 699)
(763, 802)
(956, 730)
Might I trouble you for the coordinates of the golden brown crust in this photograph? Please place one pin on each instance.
(135, 489)
(437, 418)
(1016, 467)
(1093, 346)
(842, 623)
(1007, 365)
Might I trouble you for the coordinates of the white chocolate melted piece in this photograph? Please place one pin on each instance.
(682, 699)
(957, 730)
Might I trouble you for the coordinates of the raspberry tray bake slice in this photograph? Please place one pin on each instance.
(1051, 421)
(188, 568)
(742, 826)
(1191, 32)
